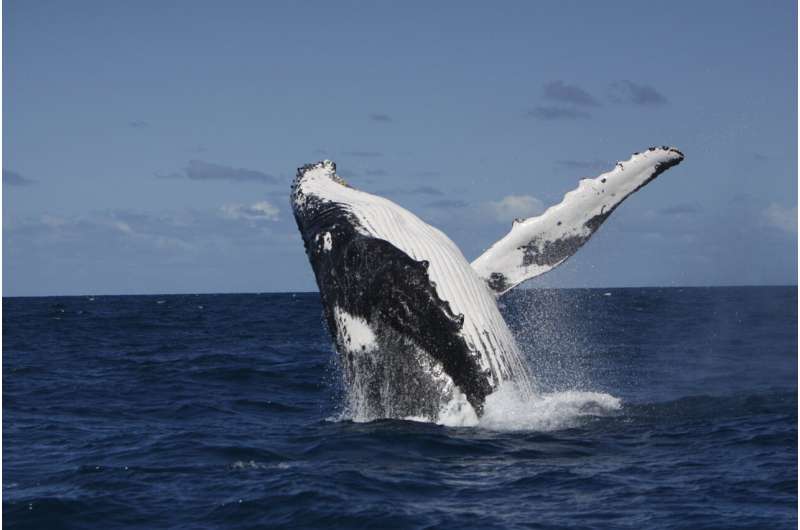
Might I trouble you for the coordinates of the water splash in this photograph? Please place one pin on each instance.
(553, 335)
(545, 412)
(510, 409)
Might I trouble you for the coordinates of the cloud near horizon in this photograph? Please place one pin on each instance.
(513, 207)
(200, 170)
(446, 204)
(781, 217)
(570, 94)
(419, 190)
(680, 209)
(121, 232)
(363, 154)
(380, 117)
(628, 92)
(597, 166)
(260, 211)
(12, 178)
(554, 112)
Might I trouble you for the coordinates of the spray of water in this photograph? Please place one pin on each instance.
(507, 409)
(558, 393)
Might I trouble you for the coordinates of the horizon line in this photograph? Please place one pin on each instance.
(728, 286)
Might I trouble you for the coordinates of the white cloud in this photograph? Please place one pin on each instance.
(123, 227)
(514, 207)
(260, 211)
(53, 221)
(782, 218)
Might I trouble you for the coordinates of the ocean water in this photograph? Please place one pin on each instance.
(657, 408)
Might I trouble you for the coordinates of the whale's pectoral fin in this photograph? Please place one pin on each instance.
(539, 244)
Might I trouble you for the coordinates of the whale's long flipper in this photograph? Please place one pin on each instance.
(539, 244)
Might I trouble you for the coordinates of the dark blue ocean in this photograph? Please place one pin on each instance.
(225, 411)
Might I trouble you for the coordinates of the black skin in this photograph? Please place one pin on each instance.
(372, 279)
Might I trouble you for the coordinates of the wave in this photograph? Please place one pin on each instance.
(511, 409)
(507, 410)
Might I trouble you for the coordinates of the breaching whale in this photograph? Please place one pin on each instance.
(416, 325)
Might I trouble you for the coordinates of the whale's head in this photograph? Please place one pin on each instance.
(311, 185)
(320, 201)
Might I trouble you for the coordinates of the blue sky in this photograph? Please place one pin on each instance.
(149, 148)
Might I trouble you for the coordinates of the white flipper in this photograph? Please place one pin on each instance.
(539, 244)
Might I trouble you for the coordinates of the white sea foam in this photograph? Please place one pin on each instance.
(458, 412)
(504, 410)
(507, 410)
(252, 464)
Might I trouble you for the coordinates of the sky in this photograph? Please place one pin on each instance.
(149, 147)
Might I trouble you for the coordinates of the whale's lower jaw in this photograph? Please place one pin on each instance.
(400, 345)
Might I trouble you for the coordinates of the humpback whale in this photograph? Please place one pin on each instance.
(416, 325)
